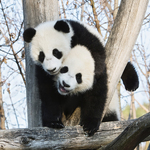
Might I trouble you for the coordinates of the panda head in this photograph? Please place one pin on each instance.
(50, 43)
(77, 72)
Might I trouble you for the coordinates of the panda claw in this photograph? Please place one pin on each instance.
(89, 132)
(57, 125)
(90, 126)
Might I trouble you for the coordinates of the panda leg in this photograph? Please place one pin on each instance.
(50, 100)
(92, 106)
(130, 78)
(51, 115)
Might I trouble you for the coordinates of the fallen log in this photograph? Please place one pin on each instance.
(67, 138)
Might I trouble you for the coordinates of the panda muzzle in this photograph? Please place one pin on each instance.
(62, 89)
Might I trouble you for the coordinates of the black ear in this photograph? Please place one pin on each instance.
(62, 26)
(29, 34)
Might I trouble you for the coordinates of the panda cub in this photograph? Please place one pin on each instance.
(49, 46)
(77, 78)
(77, 72)
(50, 43)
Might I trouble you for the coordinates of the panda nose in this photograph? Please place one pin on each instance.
(51, 71)
(65, 84)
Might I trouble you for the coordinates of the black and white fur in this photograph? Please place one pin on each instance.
(77, 72)
(77, 76)
(50, 44)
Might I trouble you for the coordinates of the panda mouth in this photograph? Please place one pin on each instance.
(53, 73)
(62, 90)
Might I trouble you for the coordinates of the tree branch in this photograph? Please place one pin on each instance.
(95, 16)
(135, 133)
(74, 137)
(122, 39)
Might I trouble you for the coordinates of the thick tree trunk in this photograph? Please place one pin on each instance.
(122, 39)
(35, 12)
(74, 137)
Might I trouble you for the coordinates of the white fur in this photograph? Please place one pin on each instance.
(114, 105)
(79, 60)
(47, 39)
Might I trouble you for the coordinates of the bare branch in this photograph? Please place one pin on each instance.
(62, 3)
(142, 106)
(95, 16)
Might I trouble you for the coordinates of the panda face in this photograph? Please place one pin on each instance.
(77, 72)
(49, 46)
(68, 81)
(51, 61)
(52, 64)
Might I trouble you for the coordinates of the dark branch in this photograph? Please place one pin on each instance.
(135, 133)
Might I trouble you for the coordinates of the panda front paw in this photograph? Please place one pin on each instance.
(90, 125)
(54, 124)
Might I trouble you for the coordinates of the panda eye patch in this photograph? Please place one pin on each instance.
(64, 69)
(79, 78)
(41, 57)
(57, 53)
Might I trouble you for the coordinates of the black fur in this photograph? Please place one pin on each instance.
(79, 78)
(57, 53)
(130, 78)
(62, 26)
(92, 105)
(29, 34)
(51, 100)
(41, 57)
(64, 69)
(110, 117)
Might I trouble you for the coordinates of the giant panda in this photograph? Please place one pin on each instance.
(79, 81)
(77, 76)
(50, 43)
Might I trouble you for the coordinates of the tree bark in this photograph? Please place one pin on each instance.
(122, 39)
(74, 137)
(135, 133)
(35, 12)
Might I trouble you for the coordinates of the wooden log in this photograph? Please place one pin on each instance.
(67, 138)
